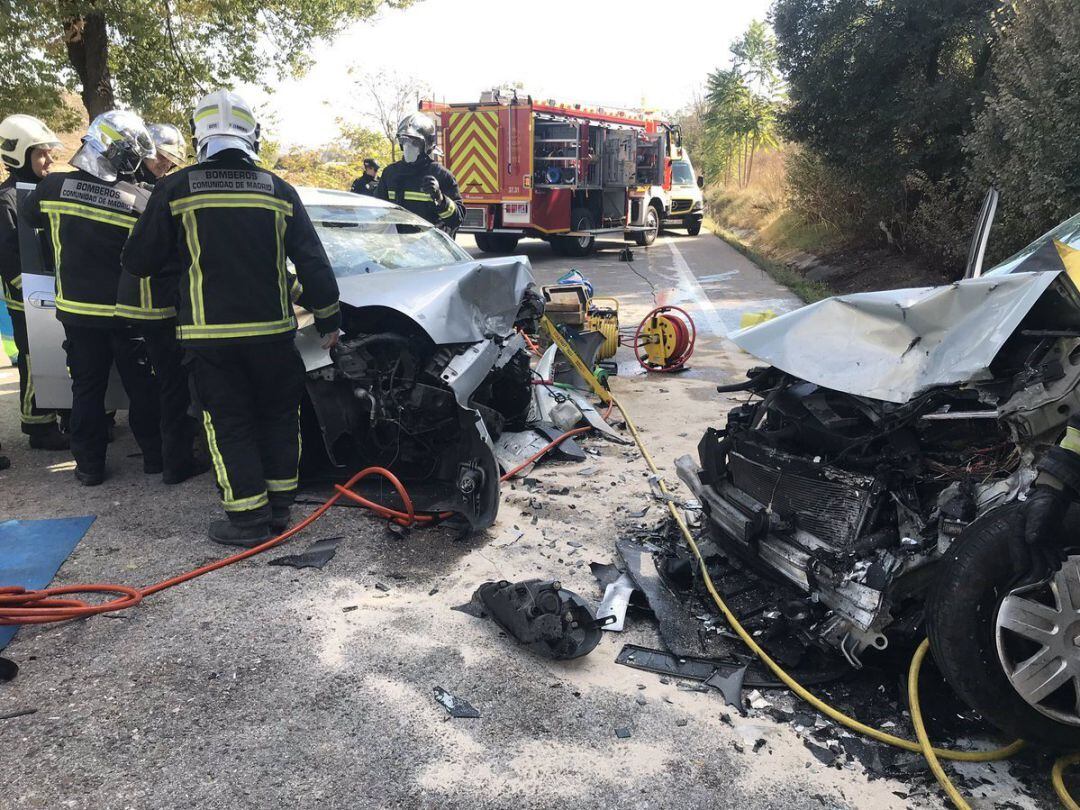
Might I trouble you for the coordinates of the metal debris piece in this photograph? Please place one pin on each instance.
(317, 554)
(690, 667)
(540, 614)
(616, 601)
(513, 449)
(457, 707)
(730, 685)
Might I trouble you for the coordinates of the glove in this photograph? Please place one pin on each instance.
(430, 186)
(1039, 549)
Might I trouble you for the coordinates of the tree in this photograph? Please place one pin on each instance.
(392, 97)
(885, 86)
(1026, 139)
(157, 57)
(741, 105)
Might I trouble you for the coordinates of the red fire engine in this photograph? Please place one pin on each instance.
(564, 173)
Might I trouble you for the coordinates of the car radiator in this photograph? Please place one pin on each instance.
(830, 503)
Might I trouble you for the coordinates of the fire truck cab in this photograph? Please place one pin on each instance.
(563, 173)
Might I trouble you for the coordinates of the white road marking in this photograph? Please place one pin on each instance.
(691, 290)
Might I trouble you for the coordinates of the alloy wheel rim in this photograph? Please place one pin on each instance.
(1038, 643)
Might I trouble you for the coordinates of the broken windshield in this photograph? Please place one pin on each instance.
(363, 239)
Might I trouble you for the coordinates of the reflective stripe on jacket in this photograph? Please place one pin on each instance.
(400, 183)
(232, 226)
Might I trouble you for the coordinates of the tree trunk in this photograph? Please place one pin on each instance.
(87, 41)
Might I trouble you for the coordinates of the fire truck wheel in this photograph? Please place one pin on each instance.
(652, 227)
(580, 220)
(501, 243)
(693, 228)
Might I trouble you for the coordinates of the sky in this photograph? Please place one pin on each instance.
(598, 52)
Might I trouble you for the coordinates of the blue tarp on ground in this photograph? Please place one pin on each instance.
(32, 551)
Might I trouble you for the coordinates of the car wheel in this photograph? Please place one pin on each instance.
(1009, 653)
(580, 220)
(693, 228)
(652, 228)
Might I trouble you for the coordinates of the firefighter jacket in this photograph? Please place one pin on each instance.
(365, 185)
(234, 226)
(400, 183)
(87, 222)
(139, 300)
(10, 263)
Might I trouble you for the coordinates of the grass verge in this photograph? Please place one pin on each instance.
(808, 291)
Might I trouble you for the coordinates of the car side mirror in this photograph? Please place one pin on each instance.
(701, 181)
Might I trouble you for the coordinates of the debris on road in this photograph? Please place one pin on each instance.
(616, 601)
(455, 706)
(540, 614)
(317, 554)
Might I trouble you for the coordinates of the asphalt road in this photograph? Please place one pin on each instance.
(266, 687)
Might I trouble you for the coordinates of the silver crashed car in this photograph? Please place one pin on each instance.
(430, 368)
(872, 477)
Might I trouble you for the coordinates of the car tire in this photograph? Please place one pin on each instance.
(693, 228)
(653, 218)
(499, 243)
(580, 219)
(961, 611)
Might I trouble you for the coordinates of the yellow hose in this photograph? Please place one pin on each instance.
(922, 746)
(1057, 776)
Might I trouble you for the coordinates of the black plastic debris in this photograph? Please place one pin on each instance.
(566, 450)
(689, 667)
(457, 707)
(729, 682)
(541, 614)
(622, 733)
(17, 713)
(8, 669)
(317, 554)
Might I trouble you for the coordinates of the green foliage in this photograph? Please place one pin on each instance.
(887, 86)
(335, 165)
(1026, 140)
(741, 106)
(159, 56)
(832, 196)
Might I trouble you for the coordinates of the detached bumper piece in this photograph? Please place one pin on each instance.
(542, 615)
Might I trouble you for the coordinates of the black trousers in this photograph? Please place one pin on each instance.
(177, 427)
(249, 395)
(35, 420)
(91, 351)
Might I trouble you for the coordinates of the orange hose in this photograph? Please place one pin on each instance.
(19, 606)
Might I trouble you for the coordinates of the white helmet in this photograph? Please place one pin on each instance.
(21, 133)
(223, 120)
(168, 142)
(116, 143)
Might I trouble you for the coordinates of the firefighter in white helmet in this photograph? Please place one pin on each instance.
(417, 182)
(26, 150)
(234, 225)
(171, 152)
(88, 215)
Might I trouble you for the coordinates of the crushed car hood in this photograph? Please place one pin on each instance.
(893, 345)
(457, 303)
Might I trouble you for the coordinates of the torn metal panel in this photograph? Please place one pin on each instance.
(616, 601)
(513, 449)
(893, 345)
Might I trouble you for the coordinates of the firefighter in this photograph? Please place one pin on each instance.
(368, 181)
(26, 146)
(234, 225)
(149, 304)
(417, 182)
(88, 215)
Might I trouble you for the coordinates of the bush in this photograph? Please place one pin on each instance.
(821, 193)
(942, 224)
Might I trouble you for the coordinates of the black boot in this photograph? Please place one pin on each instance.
(189, 469)
(152, 465)
(89, 478)
(5, 462)
(51, 439)
(280, 518)
(229, 533)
